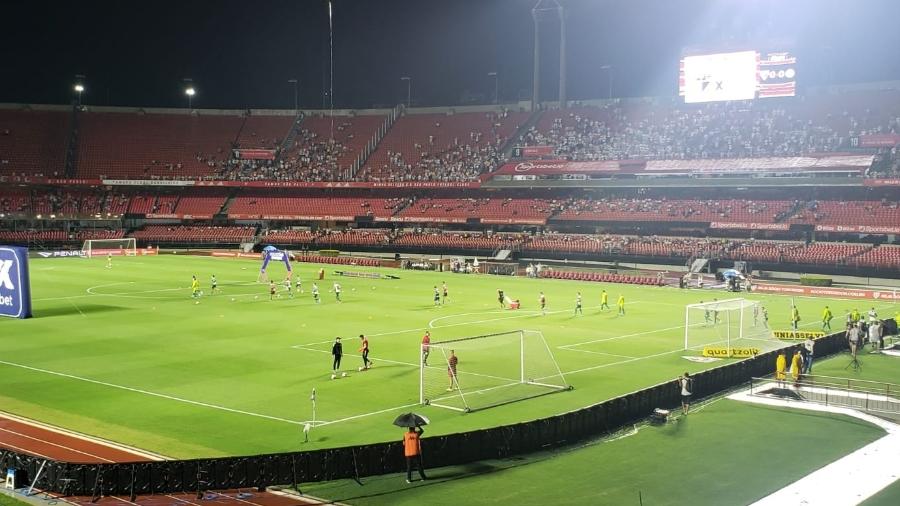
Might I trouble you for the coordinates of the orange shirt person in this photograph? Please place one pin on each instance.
(364, 350)
(426, 347)
(412, 450)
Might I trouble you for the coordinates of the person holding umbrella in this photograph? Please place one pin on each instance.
(412, 443)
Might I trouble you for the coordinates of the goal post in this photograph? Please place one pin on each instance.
(480, 372)
(100, 247)
(729, 322)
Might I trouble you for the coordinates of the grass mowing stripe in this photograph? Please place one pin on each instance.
(153, 394)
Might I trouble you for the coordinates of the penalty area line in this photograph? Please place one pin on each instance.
(157, 394)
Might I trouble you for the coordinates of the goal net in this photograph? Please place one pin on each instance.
(102, 247)
(729, 323)
(480, 372)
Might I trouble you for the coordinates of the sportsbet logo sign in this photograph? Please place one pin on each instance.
(722, 352)
(15, 295)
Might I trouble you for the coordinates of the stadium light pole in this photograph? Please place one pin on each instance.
(609, 69)
(408, 89)
(190, 92)
(496, 86)
(79, 89)
(296, 84)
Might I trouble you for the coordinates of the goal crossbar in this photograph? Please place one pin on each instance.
(495, 369)
(725, 322)
(123, 246)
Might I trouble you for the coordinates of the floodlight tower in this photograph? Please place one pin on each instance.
(79, 87)
(190, 92)
(296, 85)
(496, 77)
(408, 89)
(542, 6)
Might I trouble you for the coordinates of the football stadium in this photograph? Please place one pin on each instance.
(454, 252)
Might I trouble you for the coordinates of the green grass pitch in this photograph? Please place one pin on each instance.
(125, 353)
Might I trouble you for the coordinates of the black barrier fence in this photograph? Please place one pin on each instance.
(368, 460)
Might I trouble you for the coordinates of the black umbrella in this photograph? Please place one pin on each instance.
(410, 420)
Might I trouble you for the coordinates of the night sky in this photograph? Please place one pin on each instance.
(240, 54)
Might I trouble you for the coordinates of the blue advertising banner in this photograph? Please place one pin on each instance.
(15, 289)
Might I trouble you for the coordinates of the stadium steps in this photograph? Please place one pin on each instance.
(226, 205)
(71, 160)
(846, 260)
(373, 143)
(240, 130)
(289, 138)
(516, 138)
(698, 265)
(793, 211)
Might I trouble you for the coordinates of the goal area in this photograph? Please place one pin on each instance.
(102, 247)
(729, 323)
(480, 372)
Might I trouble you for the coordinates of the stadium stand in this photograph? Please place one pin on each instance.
(33, 142)
(263, 132)
(442, 147)
(256, 204)
(488, 210)
(663, 129)
(203, 204)
(869, 213)
(153, 146)
(324, 149)
(460, 240)
(15, 202)
(648, 209)
(884, 256)
(189, 234)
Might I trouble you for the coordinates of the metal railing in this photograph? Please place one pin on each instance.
(863, 395)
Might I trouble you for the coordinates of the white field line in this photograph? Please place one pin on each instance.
(598, 353)
(51, 443)
(356, 417)
(77, 308)
(155, 394)
(614, 338)
(77, 435)
(849, 480)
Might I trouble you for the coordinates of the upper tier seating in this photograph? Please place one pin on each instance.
(33, 142)
(665, 129)
(264, 132)
(442, 147)
(146, 146)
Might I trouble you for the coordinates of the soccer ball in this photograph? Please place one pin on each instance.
(333, 376)
(255, 297)
(196, 302)
(343, 375)
(233, 299)
(359, 369)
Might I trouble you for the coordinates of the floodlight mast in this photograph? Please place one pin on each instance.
(553, 5)
(190, 92)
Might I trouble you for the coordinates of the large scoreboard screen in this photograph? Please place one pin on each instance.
(741, 75)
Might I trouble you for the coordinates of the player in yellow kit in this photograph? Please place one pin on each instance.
(826, 318)
(621, 304)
